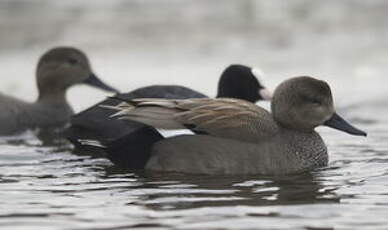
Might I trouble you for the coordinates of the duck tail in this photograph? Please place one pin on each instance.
(159, 113)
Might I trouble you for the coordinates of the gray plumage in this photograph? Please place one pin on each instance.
(204, 154)
(58, 69)
(242, 138)
(17, 116)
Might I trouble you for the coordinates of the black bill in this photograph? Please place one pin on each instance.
(93, 80)
(337, 122)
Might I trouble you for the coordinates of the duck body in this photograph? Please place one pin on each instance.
(240, 137)
(286, 152)
(18, 116)
(128, 142)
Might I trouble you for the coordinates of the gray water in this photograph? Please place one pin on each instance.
(44, 185)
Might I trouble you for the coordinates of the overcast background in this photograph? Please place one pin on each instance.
(133, 43)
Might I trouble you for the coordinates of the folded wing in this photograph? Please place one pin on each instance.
(227, 118)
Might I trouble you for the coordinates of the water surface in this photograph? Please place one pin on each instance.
(44, 185)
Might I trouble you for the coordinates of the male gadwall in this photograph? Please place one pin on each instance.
(236, 81)
(58, 69)
(239, 137)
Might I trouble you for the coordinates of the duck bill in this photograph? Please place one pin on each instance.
(337, 122)
(265, 94)
(94, 81)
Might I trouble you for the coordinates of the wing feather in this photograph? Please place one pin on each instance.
(228, 118)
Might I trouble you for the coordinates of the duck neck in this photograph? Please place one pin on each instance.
(52, 97)
(299, 132)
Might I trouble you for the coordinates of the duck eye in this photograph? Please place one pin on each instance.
(311, 100)
(315, 101)
(72, 61)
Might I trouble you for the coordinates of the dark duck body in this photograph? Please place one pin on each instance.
(128, 143)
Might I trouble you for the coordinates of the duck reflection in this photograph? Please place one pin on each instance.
(180, 191)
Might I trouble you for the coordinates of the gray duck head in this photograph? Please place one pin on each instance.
(62, 67)
(303, 103)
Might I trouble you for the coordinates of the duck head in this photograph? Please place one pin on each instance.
(239, 81)
(62, 67)
(303, 103)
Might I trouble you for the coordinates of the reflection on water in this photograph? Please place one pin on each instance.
(134, 43)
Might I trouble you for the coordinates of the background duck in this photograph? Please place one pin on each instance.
(58, 69)
(240, 137)
(124, 138)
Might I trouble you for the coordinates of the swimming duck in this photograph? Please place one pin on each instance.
(236, 81)
(239, 137)
(58, 69)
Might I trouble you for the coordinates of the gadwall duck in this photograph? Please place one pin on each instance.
(239, 137)
(236, 81)
(57, 70)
